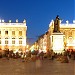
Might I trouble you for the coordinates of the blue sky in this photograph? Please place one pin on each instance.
(38, 13)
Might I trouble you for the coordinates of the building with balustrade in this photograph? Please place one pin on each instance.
(65, 37)
(13, 35)
(68, 30)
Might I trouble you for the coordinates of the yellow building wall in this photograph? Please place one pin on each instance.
(13, 27)
(67, 30)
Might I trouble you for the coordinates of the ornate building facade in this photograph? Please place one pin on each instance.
(67, 38)
(68, 30)
(13, 35)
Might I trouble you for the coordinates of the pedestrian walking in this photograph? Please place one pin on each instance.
(52, 55)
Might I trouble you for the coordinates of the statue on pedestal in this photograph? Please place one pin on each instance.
(57, 24)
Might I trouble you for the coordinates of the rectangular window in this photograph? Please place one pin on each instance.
(20, 42)
(13, 37)
(6, 42)
(0, 41)
(20, 33)
(6, 32)
(64, 32)
(13, 42)
(6, 38)
(20, 37)
(52, 38)
(13, 32)
(0, 32)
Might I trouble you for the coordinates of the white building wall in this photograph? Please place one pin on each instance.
(13, 27)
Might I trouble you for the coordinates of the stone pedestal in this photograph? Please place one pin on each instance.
(57, 42)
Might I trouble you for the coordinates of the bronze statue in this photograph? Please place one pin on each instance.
(57, 24)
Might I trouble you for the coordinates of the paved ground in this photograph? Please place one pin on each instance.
(44, 67)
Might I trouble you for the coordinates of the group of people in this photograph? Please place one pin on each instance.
(27, 55)
(70, 54)
(50, 54)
